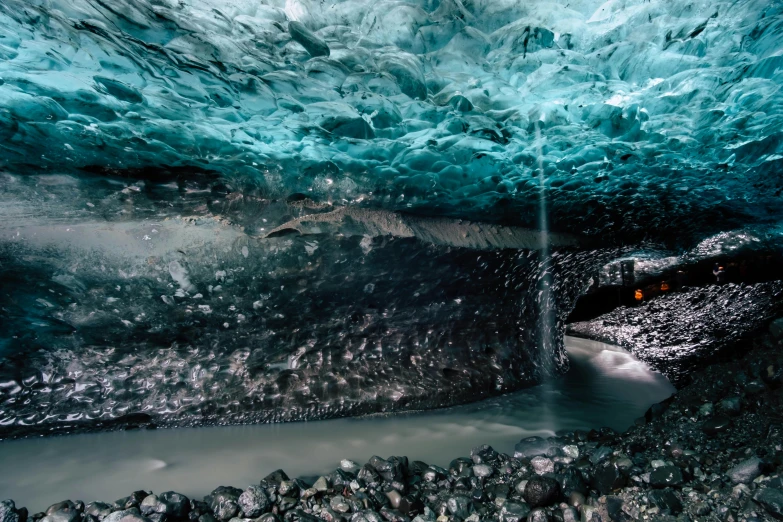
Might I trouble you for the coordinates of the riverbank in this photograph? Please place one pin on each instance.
(713, 451)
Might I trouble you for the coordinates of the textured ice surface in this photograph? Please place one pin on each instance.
(262, 210)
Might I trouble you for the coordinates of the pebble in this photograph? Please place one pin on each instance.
(746, 471)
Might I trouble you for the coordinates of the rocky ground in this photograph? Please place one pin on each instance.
(678, 332)
(712, 452)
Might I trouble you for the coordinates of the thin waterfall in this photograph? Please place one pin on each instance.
(545, 308)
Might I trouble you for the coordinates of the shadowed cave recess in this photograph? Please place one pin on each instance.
(217, 212)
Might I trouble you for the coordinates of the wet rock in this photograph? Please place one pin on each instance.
(570, 514)
(666, 476)
(539, 515)
(254, 502)
(715, 425)
(589, 514)
(63, 512)
(532, 447)
(134, 500)
(97, 509)
(460, 506)
(771, 499)
(126, 515)
(541, 491)
(288, 488)
(746, 471)
(8, 511)
(483, 454)
(776, 329)
(731, 406)
(314, 45)
(514, 512)
(665, 500)
(483, 470)
(339, 505)
(224, 502)
(349, 466)
(276, 477)
(614, 508)
(608, 477)
(571, 481)
(542, 465)
(321, 485)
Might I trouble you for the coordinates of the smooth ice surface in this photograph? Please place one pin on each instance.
(606, 386)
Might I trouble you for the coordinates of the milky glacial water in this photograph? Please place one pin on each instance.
(606, 386)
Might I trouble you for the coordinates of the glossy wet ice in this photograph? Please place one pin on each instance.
(606, 386)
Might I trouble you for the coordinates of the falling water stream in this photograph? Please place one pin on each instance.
(606, 386)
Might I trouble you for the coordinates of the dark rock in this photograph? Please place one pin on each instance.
(286, 503)
(392, 515)
(771, 499)
(541, 491)
(288, 488)
(571, 481)
(268, 517)
(64, 505)
(483, 454)
(539, 515)
(254, 502)
(97, 509)
(614, 508)
(434, 474)
(339, 505)
(410, 504)
(715, 425)
(62, 512)
(666, 501)
(570, 514)
(755, 388)
(746, 471)
(126, 515)
(609, 477)
(276, 477)
(8, 511)
(731, 406)
(460, 506)
(132, 501)
(314, 45)
(666, 476)
(514, 512)
(224, 502)
(600, 454)
(458, 465)
(532, 447)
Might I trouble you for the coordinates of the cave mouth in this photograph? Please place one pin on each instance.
(241, 212)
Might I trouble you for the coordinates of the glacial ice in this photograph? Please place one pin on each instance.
(147, 146)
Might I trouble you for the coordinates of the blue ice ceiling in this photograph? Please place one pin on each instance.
(644, 114)
(245, 211)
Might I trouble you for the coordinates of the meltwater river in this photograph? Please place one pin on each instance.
(606, 386)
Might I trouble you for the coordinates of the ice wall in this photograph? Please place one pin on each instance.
(154, 150)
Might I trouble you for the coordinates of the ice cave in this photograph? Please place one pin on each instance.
(530, 252)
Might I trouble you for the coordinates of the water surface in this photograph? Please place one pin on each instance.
(606, 386)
